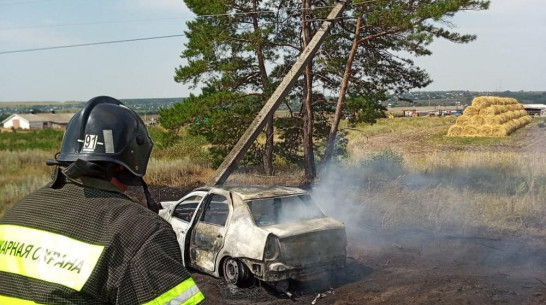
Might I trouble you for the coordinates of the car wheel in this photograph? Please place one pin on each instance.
(236, 273)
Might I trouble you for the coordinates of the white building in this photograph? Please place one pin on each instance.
(535, 109)
(37, 121)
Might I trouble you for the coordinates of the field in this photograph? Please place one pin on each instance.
(430, 219)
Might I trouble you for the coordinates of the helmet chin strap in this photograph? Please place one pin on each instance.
(152, 205)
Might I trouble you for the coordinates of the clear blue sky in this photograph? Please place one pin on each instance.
(508, 55)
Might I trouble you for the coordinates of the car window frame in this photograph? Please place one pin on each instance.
(197, 202)
(206, 206)
(246, 204)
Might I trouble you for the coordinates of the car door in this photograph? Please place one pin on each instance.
(207, 237)
(181, 219)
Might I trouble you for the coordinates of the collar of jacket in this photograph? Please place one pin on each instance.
(94, 183)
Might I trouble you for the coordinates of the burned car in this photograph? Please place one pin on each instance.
(270, 233)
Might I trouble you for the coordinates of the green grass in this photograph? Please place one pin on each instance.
(46, 139)
(442, 138)
(396, 126)
(180, 146)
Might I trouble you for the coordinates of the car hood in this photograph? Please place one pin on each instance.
(303, 227)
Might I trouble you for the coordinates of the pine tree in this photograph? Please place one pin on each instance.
(239, 50)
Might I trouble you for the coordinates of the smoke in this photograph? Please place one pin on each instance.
(478, 221)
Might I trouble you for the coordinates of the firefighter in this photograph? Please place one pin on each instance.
(79, 239)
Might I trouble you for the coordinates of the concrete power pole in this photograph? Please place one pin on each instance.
(230, 162)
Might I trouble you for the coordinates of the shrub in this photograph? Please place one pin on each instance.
(388, 164)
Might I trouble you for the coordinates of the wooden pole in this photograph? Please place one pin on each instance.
(236, 154)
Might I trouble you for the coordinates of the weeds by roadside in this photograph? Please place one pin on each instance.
(22, 172)
(445, 191)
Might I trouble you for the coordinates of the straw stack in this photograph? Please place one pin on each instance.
(490, 116)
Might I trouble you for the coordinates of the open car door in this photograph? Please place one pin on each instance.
(207, 237)
(182, 217)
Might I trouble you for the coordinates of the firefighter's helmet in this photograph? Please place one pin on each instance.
(106, 130)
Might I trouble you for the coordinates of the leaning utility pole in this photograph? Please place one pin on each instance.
(236, 154)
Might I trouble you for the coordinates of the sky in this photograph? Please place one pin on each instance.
(509, 53)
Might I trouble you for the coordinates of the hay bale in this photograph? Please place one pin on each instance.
(490, 116)
(463, 120)
(491, 110)
(493, 120)
(477, 120)
(501, 108)
(521, 121)
(510, 126)
(481, 102)
(493, 100)
(470, 131)
(499, 131)
(471, 111)
(455, 131)
(486, 130)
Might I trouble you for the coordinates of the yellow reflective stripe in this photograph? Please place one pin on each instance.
(185, 293)
(47, 256)
(16, 301)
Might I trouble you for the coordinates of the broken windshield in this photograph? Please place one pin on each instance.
(273, 211)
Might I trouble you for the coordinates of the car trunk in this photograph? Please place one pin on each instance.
(311, 241)
(312, 248)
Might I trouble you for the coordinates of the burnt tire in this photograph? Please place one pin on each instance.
(236, 273)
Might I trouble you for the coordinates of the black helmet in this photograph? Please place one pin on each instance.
(106, 130)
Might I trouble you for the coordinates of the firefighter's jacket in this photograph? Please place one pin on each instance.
(83, 242)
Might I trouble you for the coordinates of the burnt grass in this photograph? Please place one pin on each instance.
(412, 267)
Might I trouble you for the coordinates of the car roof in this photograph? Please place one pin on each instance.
(256, 192)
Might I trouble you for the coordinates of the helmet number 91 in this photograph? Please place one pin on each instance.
(90, 142)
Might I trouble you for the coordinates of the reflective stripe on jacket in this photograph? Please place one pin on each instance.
(82, 242)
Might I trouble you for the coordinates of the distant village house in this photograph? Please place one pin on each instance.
(37, 120)
(535, 109)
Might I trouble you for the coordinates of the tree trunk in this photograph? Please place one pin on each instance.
(308, 152)
(267, 156)
(341, 98)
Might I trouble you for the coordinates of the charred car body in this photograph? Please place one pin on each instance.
(273, 234)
